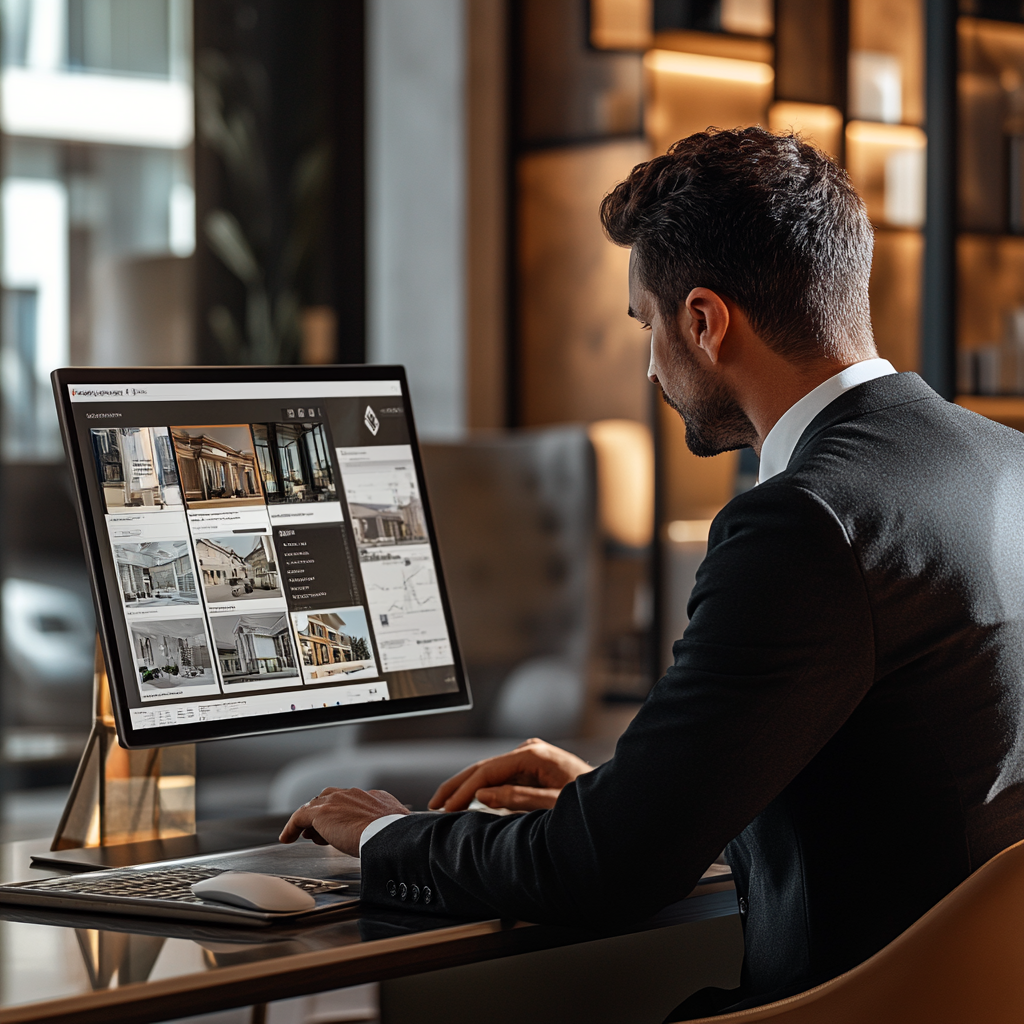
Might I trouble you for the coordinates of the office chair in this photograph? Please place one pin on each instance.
(962, 962)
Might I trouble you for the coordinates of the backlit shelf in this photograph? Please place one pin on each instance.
(1006, 409)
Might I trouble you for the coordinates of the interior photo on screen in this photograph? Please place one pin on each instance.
(335, 645)
(135, 466)
(254, 651)
(218, 467)
(155, 574)
(172, 656)
(238, 567)
(295, 462)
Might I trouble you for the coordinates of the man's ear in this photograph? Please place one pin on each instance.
(709, 321)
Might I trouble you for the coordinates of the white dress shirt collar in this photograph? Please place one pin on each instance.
(783, 437)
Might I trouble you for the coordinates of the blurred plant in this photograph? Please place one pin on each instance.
(230, 95)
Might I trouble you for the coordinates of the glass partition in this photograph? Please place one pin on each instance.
(97, 196)
(98, 232)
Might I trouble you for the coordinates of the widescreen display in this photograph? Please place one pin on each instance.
(264, 549)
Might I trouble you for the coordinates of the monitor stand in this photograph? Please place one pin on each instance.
(137, 806)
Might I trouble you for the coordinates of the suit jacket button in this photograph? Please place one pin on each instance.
(414, 894)
(743, 904)
(392, 888)
(427, 894)
(403, 891)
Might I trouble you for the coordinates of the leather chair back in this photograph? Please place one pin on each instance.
(962, 962)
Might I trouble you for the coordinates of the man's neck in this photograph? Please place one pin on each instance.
(782, 384)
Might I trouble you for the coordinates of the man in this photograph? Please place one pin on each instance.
(846, 707)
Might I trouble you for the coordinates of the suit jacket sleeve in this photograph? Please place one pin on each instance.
(778, 653)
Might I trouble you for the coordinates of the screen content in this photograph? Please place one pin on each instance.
(267, 548)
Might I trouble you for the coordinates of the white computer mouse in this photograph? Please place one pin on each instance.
(254, 892)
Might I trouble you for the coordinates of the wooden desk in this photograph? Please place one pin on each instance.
(64, 969)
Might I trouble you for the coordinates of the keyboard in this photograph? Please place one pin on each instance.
(163, 891)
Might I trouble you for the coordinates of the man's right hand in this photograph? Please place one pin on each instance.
(528, 778)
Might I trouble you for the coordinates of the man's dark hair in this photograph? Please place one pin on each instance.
(764, 220)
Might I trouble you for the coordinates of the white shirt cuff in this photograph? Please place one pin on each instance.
(377, 826)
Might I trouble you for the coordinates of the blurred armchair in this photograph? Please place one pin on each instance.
(515, 516)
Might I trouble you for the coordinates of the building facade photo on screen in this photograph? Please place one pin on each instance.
(238, 568)
(255, 651)
(218, 467)
(335, 645)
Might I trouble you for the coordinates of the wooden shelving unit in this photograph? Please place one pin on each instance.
(988, 243)
(849, 76)
(1008, 409)
(923, 102)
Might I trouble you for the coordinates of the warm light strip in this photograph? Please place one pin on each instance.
(904, 135)
(808, 115)
(703, 66)
(684, 531)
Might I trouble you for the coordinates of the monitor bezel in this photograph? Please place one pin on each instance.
(132, 738)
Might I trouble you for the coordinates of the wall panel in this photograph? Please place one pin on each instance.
(581, 357)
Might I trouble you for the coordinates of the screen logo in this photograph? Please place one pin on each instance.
(371, 421)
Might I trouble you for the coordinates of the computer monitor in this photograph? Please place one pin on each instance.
(261, 548)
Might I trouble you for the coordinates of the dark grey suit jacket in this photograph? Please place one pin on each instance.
(845, 711)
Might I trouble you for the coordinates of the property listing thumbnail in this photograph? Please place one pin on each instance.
(383, 498)
(218, 467)
(295, 462)
(172, 658)
(136, 468)
(255, 651)
(238, 567)
(335, 645)
(156, 574)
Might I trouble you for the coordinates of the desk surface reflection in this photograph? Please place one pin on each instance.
(59, 966)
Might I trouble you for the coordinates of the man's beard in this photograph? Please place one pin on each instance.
(714, 421)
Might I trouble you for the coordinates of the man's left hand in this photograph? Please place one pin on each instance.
(337, 817)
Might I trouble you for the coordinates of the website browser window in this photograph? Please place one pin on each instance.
(266, 545)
